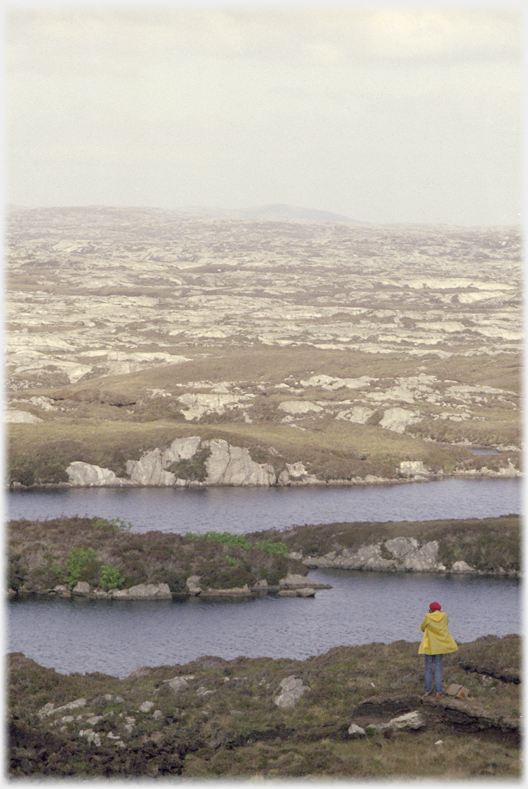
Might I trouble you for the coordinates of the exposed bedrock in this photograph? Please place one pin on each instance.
(219, 464)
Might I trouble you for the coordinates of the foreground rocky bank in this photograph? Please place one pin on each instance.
(356, 711)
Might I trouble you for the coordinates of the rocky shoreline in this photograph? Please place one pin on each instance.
(290, 586)
(225, 464)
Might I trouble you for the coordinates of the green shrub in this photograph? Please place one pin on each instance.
(24, 475)
(15, 572)
(273, 548)
(111, 578)
(192, 468)
(112, 524)
(82, 565)
(225, 538)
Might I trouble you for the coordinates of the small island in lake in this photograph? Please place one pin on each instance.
(103, 558)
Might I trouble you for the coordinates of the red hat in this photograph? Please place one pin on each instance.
(435, 607)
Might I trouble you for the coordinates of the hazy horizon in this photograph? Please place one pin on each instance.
(380, 114)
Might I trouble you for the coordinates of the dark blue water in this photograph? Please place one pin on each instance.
(241, 510)
(116, 636)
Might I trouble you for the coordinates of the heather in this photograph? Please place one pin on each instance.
(216, 718)
(106, 553)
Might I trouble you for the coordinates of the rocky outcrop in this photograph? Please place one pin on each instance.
(144, 592)
(86, 475)
(291, 690)
(229, 465)
(413, 468)
(291, 586)
(221, 464)
(400, 553)
(16, 415)
(409, 720)
(147, 591)
(459, 713)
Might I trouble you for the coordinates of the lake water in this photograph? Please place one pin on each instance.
(241, 510)
(117, 637)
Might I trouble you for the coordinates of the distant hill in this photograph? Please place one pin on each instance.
(276, 212)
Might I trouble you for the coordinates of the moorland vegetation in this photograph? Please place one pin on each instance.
(220, 719)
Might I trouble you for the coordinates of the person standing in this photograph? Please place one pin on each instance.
(437, 641)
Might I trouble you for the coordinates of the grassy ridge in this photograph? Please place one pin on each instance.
(110, 419)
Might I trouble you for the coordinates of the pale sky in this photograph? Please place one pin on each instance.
(383, 113)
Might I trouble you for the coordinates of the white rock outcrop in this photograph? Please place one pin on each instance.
(299, 406)
(412, 468)
(291, 690)
(197, 405)
(397, 419)
(410, 720)
(144, 592)
(15, 416)
(400, 553)
(225, 465)
(86, 475)
(229, 465)
(149, 470)
(461, 567)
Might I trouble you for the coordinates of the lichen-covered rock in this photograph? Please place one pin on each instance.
(178, 684)
(424, 558)
(397, 419)
(86, 475)
(144, 592)
(193, 585)
(82, 587)
(291, 690)
(356, 731)
(229, 465)
(412, 467)
(24, 417)
(226, 465)
(410, 720)
(404, 554)
(461, 567)
(149, 470)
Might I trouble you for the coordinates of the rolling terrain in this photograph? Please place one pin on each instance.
(362, 353)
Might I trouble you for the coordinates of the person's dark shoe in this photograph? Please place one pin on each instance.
(438, 695)
(427, 693)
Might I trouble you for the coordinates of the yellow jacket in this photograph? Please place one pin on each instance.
(437, 639)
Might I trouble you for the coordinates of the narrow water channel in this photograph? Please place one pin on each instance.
(117, 637)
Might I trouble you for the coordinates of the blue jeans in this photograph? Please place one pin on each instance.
(433, 662)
